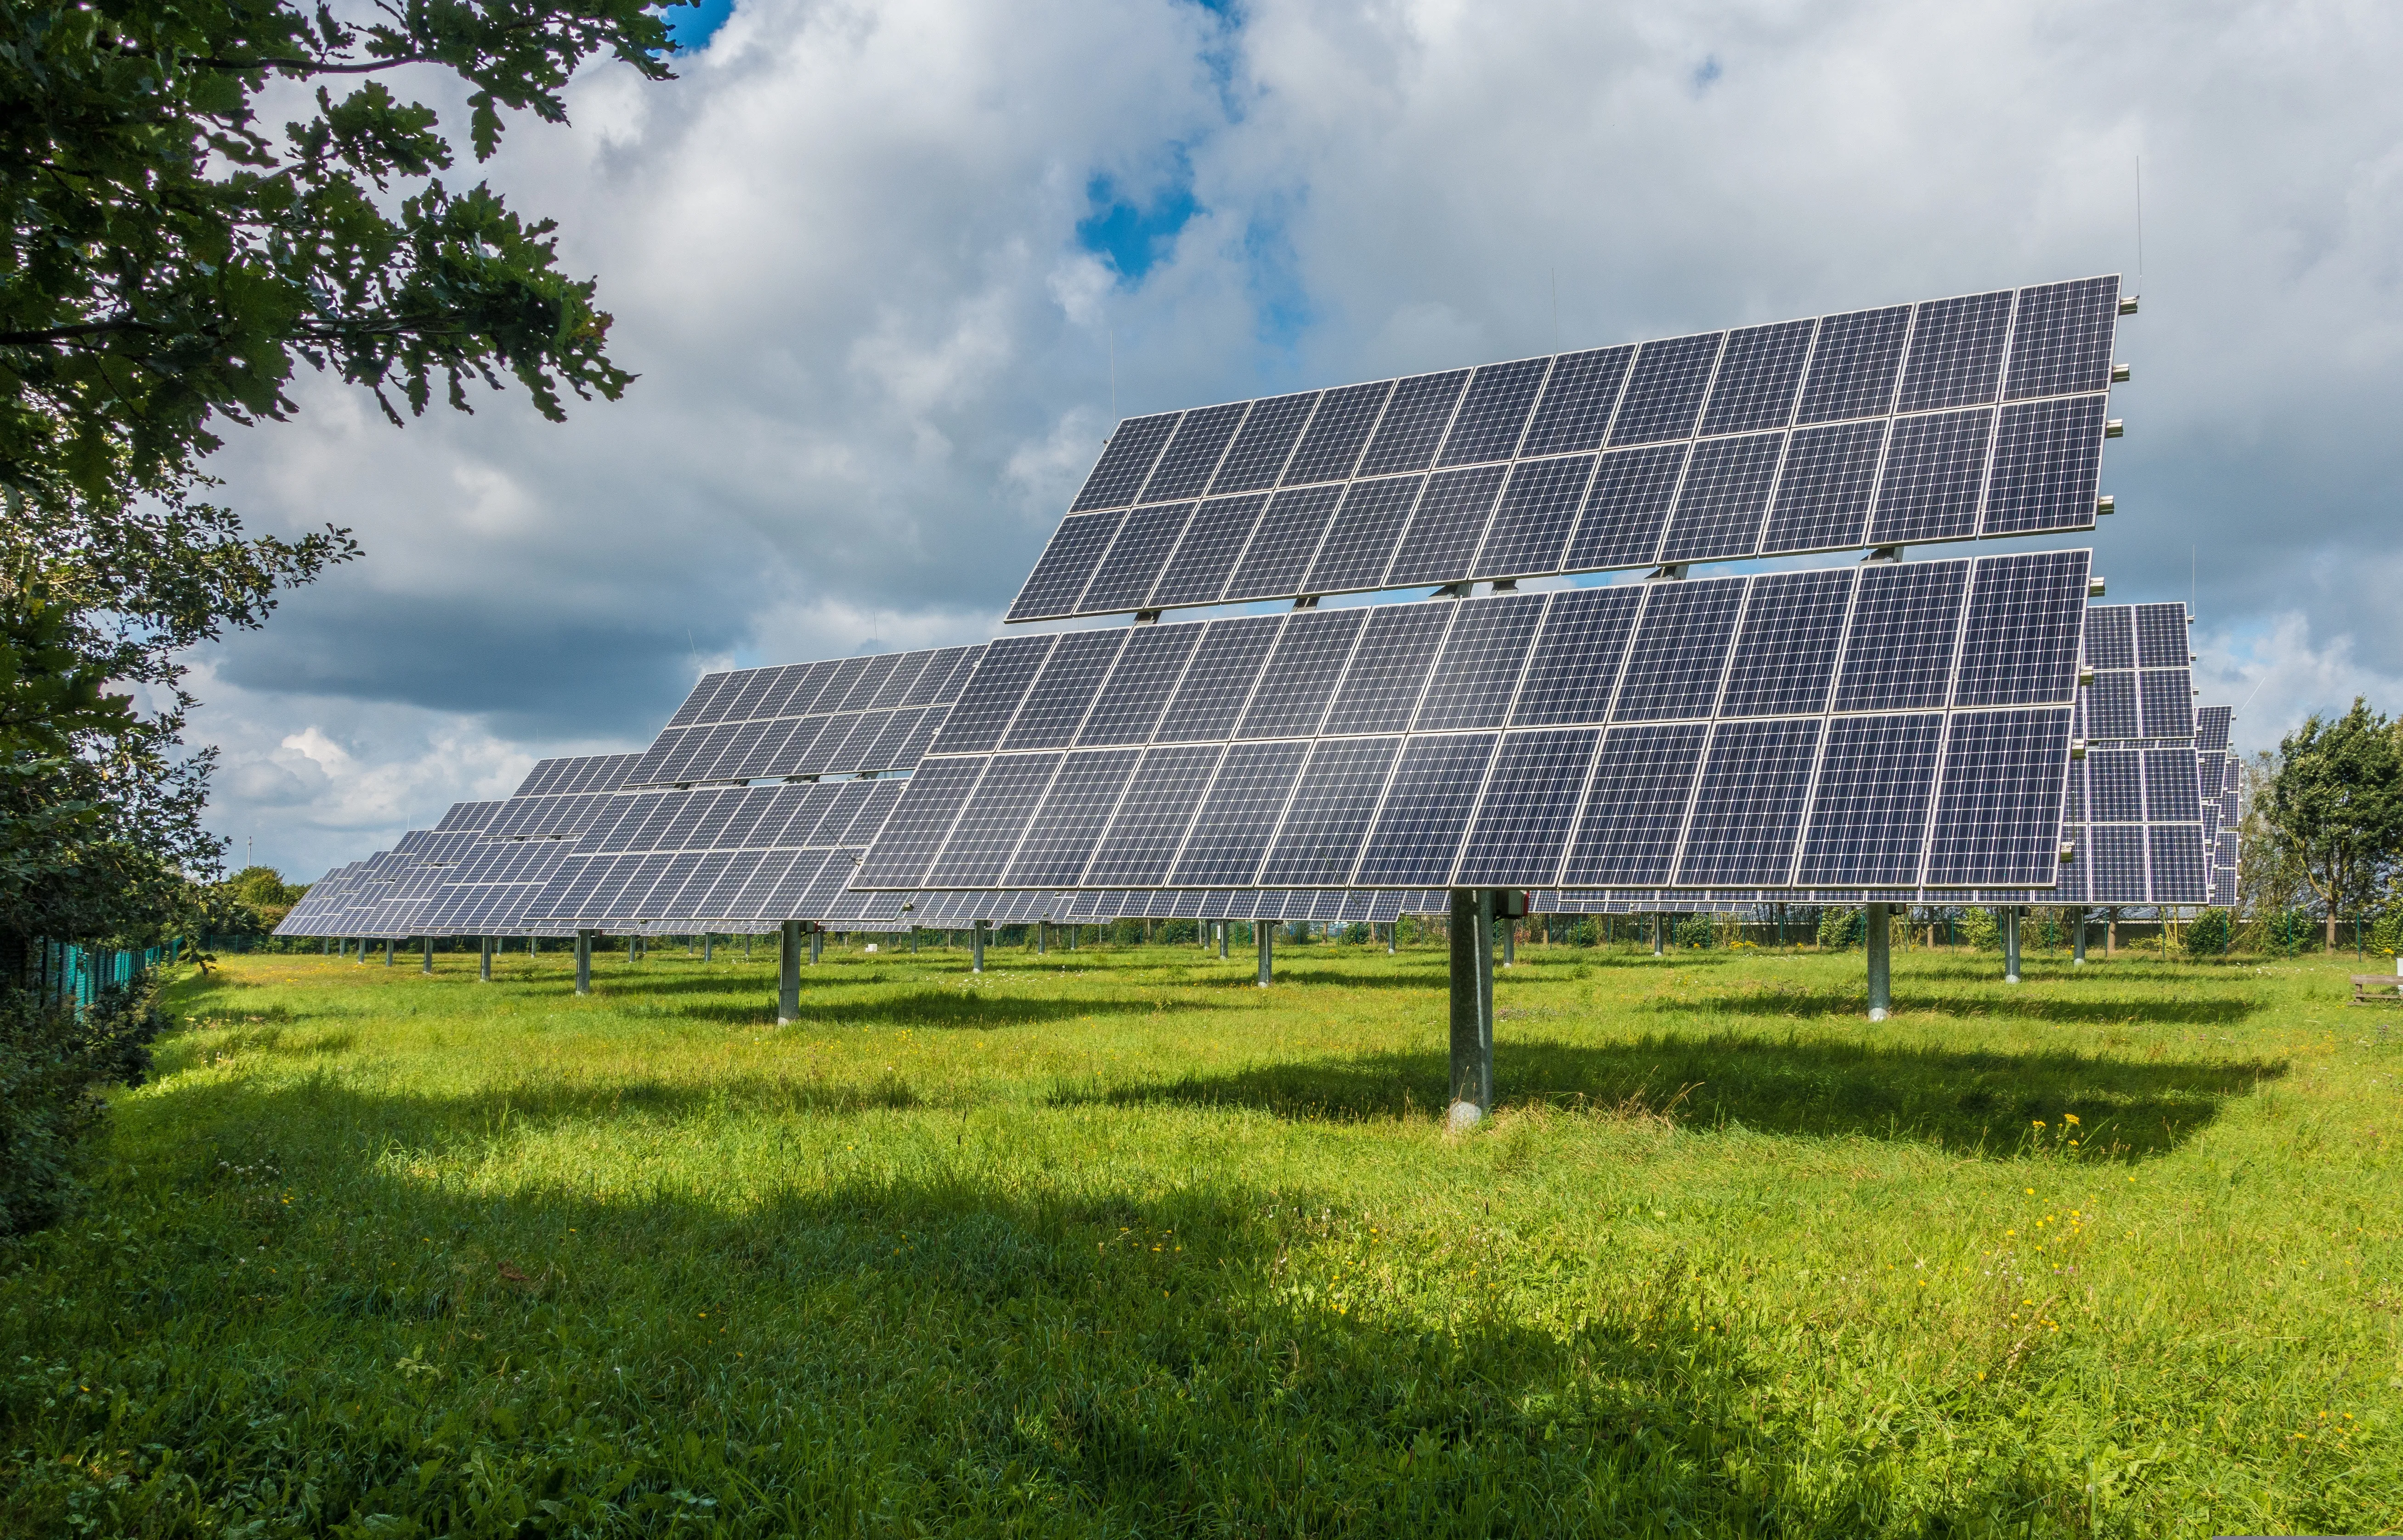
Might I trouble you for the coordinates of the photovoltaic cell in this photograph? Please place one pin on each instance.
(1301, 674)
(1757, 380)
(1213, 541)
(1956, 351)
(1934, 468)
(1414, 423)
(1125, 576)
(1664, 393)
(1056, 704)
(1785, 654)
(2171, 795)
(1630, 835)
(1530, 805)
(2115, 786)
(1332, 802)
(1445, 529)
(1220, 679)
(2020, 645)
(1725, 496)
(1061, 837)
(1125, 463)
(1998, 806)
(1152, 816)
(1494, 412)
(1627, 508)
(1478, 673)
(1193, 453)
(1267, 441)
(2165, 700)
(2061, 342)
(1066, 567)
(1577, 402)
(1000, 682)
(1680, 651)
(2048, 466)
(1331, 446)
(1904, 622)
(1747, 812)
(1869, 819)
(1282, 547)
(2110, 704)
(1823, 493)
(1417, 831)
(1359, 545)
(1855, 365)
(1128, 708)
(1232, 831)
(1532, 524)
(1575, 660)
(1390, 668)
(993, 820)
(2161, 636)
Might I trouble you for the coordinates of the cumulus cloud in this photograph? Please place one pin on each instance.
(888, 272)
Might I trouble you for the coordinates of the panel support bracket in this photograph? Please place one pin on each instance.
(1882, 555)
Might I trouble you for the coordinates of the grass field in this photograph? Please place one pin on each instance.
(1114, 1241)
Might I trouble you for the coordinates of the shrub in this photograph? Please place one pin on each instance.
(1842, 928)
(54, 1061)
(2206, 934)
(1979, 930)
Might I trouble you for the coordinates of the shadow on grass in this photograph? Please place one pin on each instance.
(1984, 1102)
(936, 1009)
(1774, 999)
(957, 1348)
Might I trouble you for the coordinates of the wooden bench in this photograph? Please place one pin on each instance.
(2376, 988)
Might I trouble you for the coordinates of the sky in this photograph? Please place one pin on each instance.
(889, 273)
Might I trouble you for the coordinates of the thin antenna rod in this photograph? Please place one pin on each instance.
(2140, 227)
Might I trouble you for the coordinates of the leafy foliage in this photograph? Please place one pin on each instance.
(2335, 804)
(54, 1061)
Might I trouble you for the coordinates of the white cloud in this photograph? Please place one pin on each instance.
(842, 251)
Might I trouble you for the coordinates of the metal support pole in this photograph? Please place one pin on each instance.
(1223, 928)
(1658, 924)
(818, 944)
(1472, 1005)
(387, 951)
(484, 962)
(788, 972)
(913, 940)
(1878, 937)
(428, 966)
(1393, 929)
(2011, 944)
(1266, 934)
(708, 945)
(1509, 943)
(2078, 956)
(583, 961)
(1041, 938)
(975, 948)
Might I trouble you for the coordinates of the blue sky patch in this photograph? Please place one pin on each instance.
(1133, 235)
(691, 27)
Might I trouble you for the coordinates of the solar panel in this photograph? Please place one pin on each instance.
(1974, 417)
(1759, 732)
(840, 717)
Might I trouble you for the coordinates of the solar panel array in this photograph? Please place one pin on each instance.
(2219, 779)
(2134, 813)
(1901, 723)
(842, 716)
(1954, 419)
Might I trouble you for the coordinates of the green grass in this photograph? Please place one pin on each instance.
(1115, 1242)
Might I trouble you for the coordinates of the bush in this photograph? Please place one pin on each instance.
(1979, 930)
(2206, 934)
(54, 1062)
(1842, 928)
